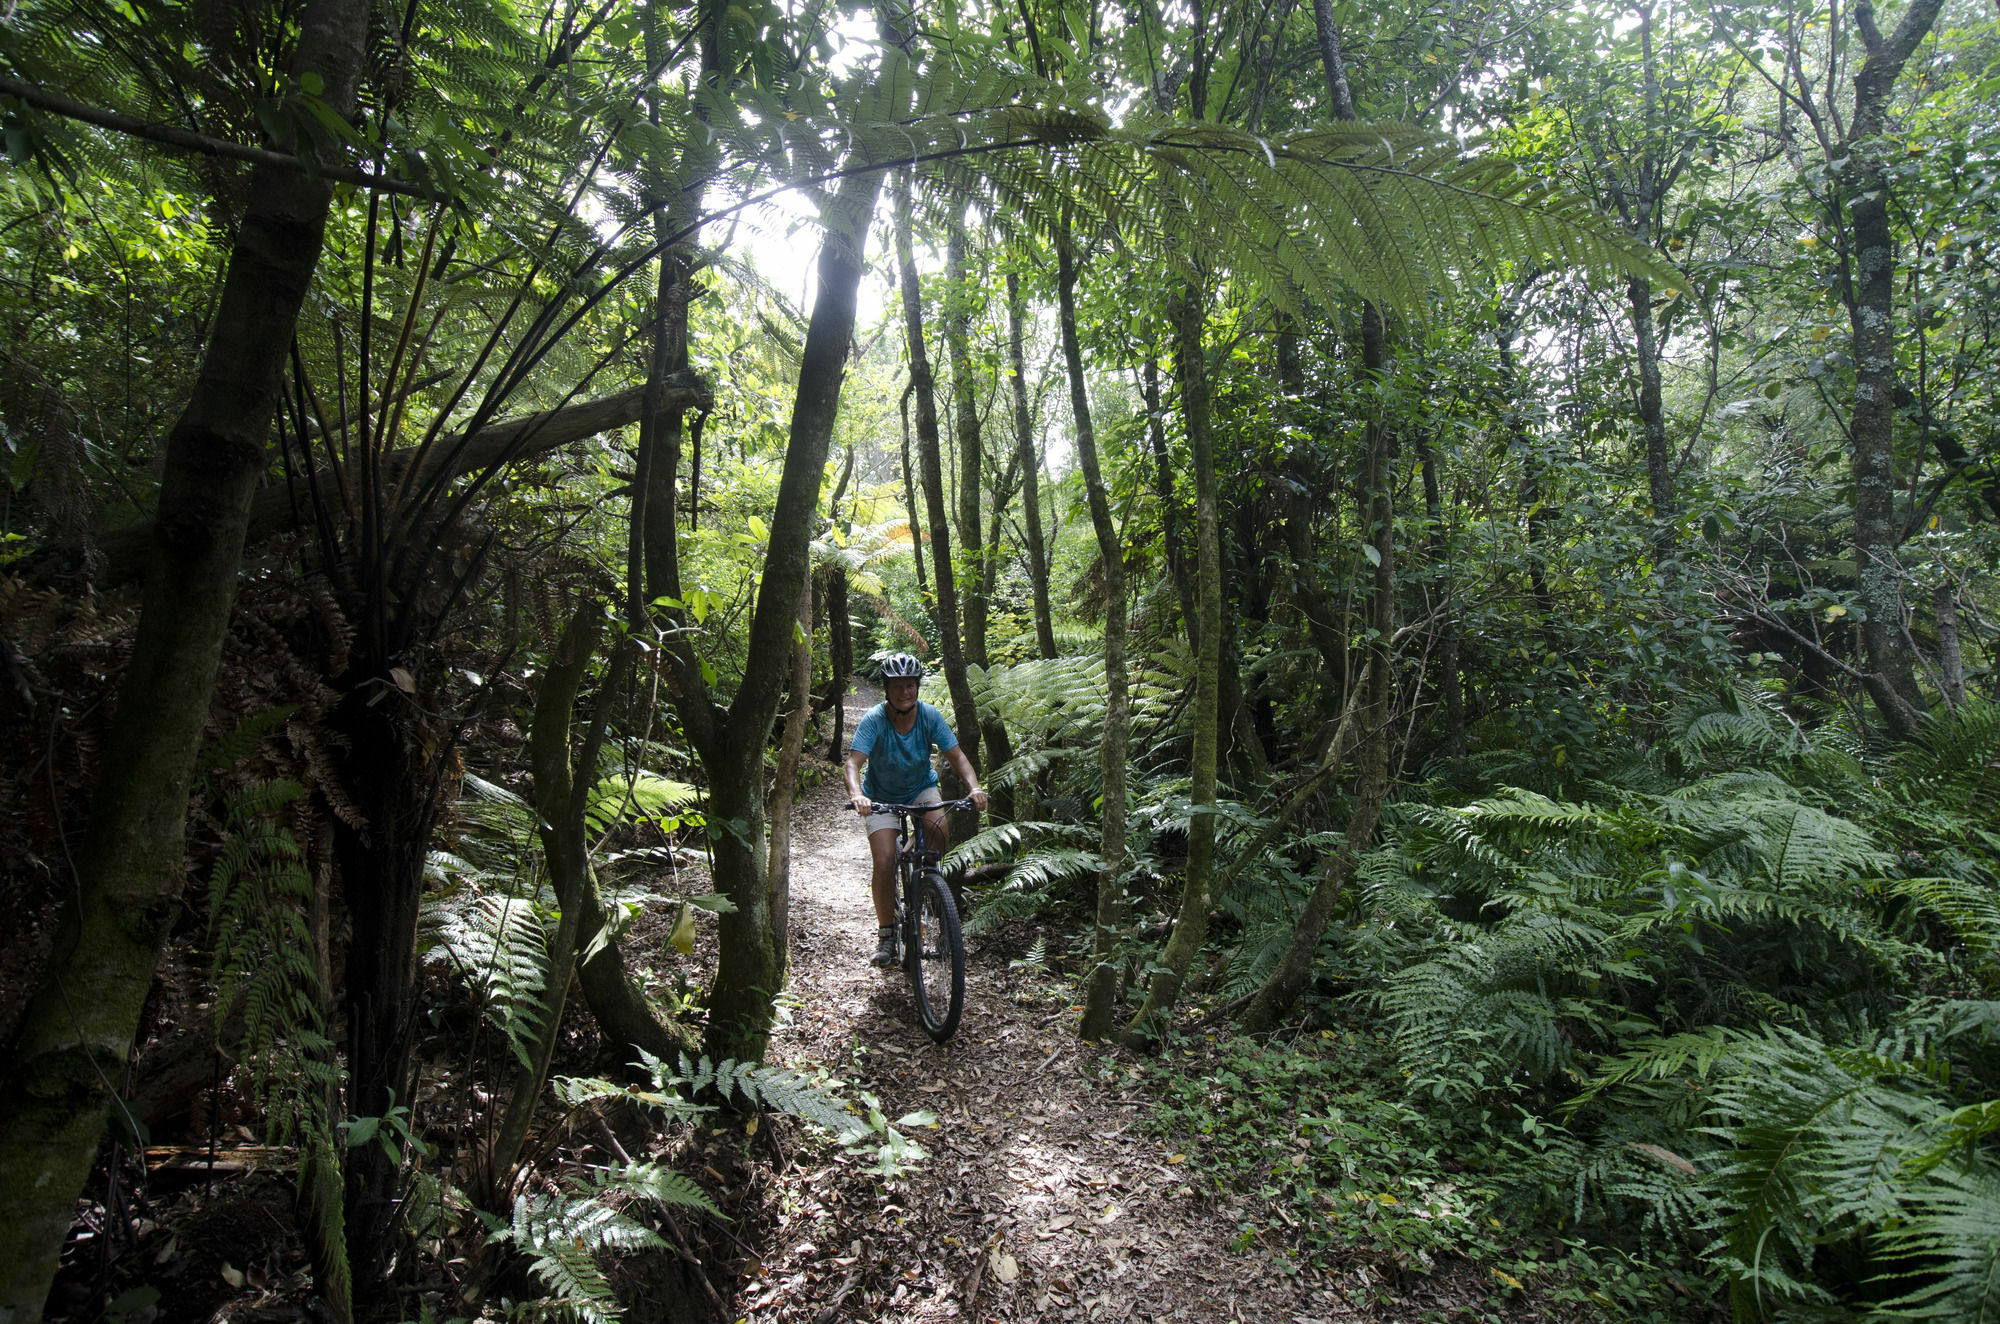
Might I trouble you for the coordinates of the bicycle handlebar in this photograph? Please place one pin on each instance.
(884, 807)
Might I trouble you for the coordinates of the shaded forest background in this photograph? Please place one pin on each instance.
(1459, 536)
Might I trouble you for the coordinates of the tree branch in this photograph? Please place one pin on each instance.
(187, 140)
(272, 510)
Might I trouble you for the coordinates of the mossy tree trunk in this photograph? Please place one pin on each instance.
(923, 391)
(76, 1036)
(1031, 467)
(1187, 313)
(562, 793)
(1101, 984)
(730, 740)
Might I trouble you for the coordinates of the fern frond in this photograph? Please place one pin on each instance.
(1951, 1228)
(652, 1181)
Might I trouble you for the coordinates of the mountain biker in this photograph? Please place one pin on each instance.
(893, 742)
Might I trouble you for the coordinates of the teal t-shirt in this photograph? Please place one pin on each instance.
(899, 766)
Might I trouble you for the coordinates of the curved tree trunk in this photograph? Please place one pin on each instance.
(76, 1034)
(561, 793)
(750, 967)
(1191, 923)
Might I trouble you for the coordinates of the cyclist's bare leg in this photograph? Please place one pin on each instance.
(937, 836)
(882, 882)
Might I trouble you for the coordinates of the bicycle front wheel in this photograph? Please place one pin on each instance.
(937, 965)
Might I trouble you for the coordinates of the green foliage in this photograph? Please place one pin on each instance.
(1331, 1165)
(1703, 1001)
(563, 1234)
(266, 967)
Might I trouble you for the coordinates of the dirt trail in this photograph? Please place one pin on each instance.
(1042, 1196)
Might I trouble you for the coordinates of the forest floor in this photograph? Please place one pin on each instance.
(1044, 1193)
(1048, 1188)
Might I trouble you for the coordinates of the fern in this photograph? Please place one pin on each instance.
(562, 1235)
(498, 944)
(266, 966)
(770, 1087)
(1951, 1227)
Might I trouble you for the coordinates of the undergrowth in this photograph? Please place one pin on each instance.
(1336, 1167)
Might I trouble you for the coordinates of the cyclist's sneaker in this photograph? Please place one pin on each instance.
(885, 947)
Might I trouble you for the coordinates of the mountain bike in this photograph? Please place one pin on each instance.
(927, 921)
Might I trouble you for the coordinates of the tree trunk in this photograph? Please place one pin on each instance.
(1101, 984)
(910, 496)
(1191, 922)
(750, 967)
(1653, 419)
(76, 1035)
(562, 791)
(1864, 187)
(958, 311)
(390, 769)
(1435, 547)
(988, 746)
(1294, 968)
(1293, 971)
(785, 782)
(839, 640)
(1170, 510)
(1951, 656)
(964, 712)
(1031, 470)
(840, 658)
(1299, 505)
(1531, 468)
(1340, 101)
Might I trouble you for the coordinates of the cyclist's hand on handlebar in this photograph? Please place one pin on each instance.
(978, 799)
(863, 805)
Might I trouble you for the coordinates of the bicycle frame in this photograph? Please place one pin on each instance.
(916, 871)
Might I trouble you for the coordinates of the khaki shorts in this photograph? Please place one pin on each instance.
(876, 822)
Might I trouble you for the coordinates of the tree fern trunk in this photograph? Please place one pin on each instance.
(1191, 922)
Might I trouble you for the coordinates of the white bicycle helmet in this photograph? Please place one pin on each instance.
(896, 666)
